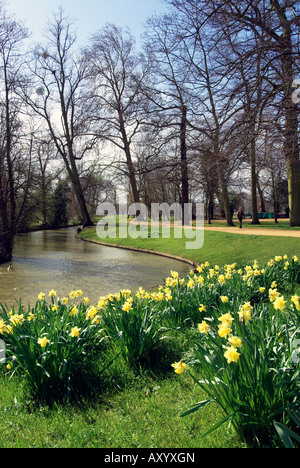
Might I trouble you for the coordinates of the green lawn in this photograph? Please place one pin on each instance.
(130, 411)
(219, 247)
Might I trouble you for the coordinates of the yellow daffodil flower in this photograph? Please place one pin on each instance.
(231, 355)
(75, 332)
(180, 367)
(203, 327)
(279, 303)
(235, 341)
(43, 342)
(41, 296)
(295, 300)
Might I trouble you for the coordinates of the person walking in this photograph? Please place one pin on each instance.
(241, 216)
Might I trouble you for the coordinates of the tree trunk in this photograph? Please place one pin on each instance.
(262, 204)
(225, 196)
(130, 166)
(86, 219)
(255, 219)
(6, 239)
(184, 165)
(293, 175)
(291, 146)
(291, 111)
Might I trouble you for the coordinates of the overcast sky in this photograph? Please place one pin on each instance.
(91, 15)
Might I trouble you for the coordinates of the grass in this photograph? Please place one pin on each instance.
(219, 247)
(264, 224)
(132, 419)
(130, 411)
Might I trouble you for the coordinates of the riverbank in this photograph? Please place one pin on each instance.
(221, 245)
(133, 408)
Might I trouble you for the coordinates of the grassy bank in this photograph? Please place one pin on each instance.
(219, 247)
(139, 406)
(130, 412)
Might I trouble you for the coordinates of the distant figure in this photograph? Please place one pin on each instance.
(241, 216)
(10, 267)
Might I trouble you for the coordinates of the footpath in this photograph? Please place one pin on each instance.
(255, 231)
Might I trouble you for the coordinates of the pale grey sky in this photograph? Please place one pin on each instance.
(91, 15)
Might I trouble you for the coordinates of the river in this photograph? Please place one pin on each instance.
(46, 260)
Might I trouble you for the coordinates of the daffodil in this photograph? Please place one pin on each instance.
(91, 312)
(226, 319)
(43, 342)
(224, 299)
(203, 327)
(41, 296)
(31, 317)
(73, 311)
(235, 341)
(5, 328)
(2, 326)
(221, 279)
(224, 330)
(295, 300)
(127, 307)
(75, 332)
(16, 319)
(231, 354)
(273, 294)
(245, 312)
(52, 293)
(180, 367)
(279, 303)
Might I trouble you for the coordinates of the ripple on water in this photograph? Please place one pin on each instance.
(56, 259)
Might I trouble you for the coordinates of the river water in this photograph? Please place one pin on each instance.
(46, 260)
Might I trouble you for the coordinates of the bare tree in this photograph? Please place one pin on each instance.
(169, 92)
(117, 74)
(56, 93)
(275, 25)
(12, 34)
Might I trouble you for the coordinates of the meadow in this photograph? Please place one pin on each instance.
(210, 360)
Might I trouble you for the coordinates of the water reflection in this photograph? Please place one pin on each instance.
(55, 259)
